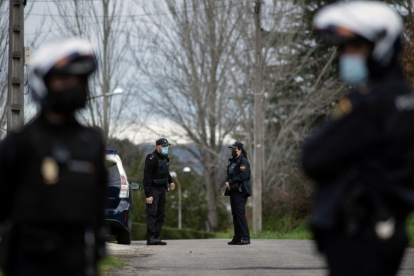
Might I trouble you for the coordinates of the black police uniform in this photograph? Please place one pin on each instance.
(238, 176)
(156, 179)
(363, 163)
(53, 192)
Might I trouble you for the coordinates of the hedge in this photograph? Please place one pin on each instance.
(139, 232)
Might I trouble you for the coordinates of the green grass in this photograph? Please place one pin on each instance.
(108, 262)
(300, 232)
(410, 229)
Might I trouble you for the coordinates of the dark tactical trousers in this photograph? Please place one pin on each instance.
(156, 212)
(364, 255)
(238, 210)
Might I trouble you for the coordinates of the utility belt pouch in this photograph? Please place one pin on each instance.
(6, 230)
(234, 187)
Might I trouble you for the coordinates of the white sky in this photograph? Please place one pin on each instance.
(148, 132)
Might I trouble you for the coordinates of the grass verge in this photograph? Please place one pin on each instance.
(410, 229)
(300, 232)
(108, 262)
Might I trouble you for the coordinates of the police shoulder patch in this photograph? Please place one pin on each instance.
(343, 108)
(242, 167)
(345, 105)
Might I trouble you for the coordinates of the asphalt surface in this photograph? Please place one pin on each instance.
(215, 257)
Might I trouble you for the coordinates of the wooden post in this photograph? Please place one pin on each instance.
(15, 93)
(258, 139)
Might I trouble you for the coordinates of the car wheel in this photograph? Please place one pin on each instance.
(123, 237)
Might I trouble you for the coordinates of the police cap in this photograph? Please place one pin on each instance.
(236, 145)
(163, 142)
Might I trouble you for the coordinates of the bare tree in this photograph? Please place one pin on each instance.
(299, 87)
(190, 44)
(105, 24)
(4, 37)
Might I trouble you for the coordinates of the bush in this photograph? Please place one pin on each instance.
(139, 232)
(288, 202)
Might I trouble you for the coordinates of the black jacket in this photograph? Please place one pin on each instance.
(365, 156)
(64, 207)
(151, 166)
(242, 175)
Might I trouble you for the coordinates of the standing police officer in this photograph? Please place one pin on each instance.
(238, 188)
(157, 179)
(363, 159)
(53, 180)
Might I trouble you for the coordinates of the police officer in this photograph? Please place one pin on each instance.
(238, 188)
(53, 180)
(363, 158)
(157, 179)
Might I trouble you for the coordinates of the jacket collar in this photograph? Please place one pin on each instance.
(159, 155)
(236, 160)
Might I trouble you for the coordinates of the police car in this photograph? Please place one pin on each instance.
(119, 210)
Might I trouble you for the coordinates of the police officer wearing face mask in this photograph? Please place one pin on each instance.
(238, 188)
(363, 158)
(54, 182)
(157, 180)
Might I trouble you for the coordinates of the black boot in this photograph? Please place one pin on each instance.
(234, 242)
(242, 242)
(152, 241)
(160, 242)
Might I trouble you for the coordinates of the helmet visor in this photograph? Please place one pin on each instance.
(74, 64)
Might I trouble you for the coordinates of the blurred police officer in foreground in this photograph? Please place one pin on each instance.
(53, 180)
(157, 180)
(363, 159)
(238, 188)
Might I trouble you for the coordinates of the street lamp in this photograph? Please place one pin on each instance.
(106, 95)
(115, 92)
(174, 174)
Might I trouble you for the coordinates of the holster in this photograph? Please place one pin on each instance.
(234, 187)
(6, 237)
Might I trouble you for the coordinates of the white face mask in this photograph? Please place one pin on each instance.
(353, 68)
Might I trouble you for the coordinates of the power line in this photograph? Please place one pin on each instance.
(141, 15)
(45, 1)
(132, 15)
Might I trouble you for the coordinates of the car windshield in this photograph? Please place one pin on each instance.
(113, 173)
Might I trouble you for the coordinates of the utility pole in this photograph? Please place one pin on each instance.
(258, 144)
(105, 104)
(15, 93)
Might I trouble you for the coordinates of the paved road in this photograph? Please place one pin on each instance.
(215, 257)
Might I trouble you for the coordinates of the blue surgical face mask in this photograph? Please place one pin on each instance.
(164, 150)
(353, 68)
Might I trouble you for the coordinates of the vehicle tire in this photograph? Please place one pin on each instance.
(123, 237)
